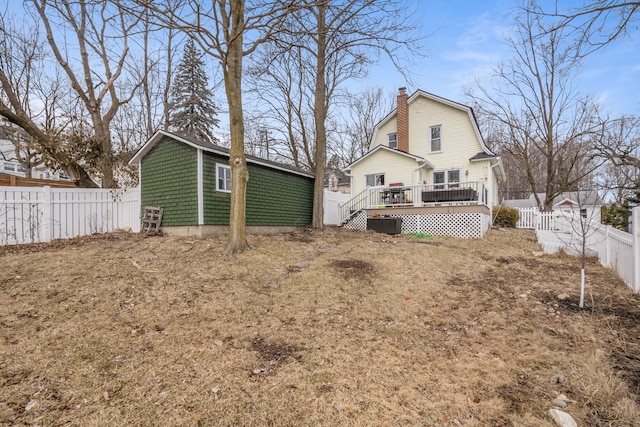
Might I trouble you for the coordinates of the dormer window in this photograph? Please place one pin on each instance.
(393, 140)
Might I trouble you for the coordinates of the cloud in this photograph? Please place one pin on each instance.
(481, 41)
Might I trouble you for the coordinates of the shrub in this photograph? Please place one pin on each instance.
(504, 216)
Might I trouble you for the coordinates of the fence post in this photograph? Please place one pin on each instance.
(636, 248)
(47, 215)
(607, 261)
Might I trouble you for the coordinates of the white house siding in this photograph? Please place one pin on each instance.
(396, 167)
(390, 126)
(493, 191)
(459, 139)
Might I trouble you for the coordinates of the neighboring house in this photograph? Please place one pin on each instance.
(12, 180)
(337, 181)
(9, 163)
(191, 181)
(587, 203)
(429, 163)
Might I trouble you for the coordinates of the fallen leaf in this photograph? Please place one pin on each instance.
(30, 405)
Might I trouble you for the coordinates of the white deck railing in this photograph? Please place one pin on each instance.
(380, 197)
(42, 214)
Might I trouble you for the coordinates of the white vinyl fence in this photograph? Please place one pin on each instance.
(615, 249)
(332, 201)
(541, 221)
(42, 214)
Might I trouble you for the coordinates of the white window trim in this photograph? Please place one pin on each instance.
(389, 139)
(374, 174)
(431, 139)
(200, 167)
(446, 183)
(226, 167)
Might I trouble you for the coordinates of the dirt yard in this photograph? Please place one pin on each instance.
(332, 328)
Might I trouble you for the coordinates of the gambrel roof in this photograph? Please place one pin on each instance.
(472, 117)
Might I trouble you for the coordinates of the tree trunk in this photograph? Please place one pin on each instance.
(103, 137)
(232, 69)
(320, 117)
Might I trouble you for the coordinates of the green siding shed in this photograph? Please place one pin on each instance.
(179, 174)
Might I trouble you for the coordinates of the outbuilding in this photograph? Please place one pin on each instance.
(191, 181)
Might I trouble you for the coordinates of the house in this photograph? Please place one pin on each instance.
(428, 165)
(13, 180)
(9, 163)
(191, 181)
(337, 181)
(587, 202)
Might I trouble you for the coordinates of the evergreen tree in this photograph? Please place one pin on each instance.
(618, 215)
(193, 111)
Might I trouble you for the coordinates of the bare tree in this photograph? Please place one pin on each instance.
(363, 110)
(618, 182)
(229, 31)
(539, 112)
(620, 142)
(31, 98)
(582, 222)
(281, 80)
(336, 41)
(99, 31)
(597, 22)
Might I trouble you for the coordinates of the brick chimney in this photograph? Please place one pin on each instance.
(403, 120)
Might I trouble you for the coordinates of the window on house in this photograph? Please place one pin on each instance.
(583, 213)
(223, 178)
(10, 167)
(393, 140)
(453, 178)
(374, 179)
(20, 168)
(436, 141)
(446, 179)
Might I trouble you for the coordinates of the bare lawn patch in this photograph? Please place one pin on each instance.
(331, 328)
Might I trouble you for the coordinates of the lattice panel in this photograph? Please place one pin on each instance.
(357, 222)
(463, 225)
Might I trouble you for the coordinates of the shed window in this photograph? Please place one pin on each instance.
(223, 178)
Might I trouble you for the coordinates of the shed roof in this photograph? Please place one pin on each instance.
(574, 198)
(211, 148)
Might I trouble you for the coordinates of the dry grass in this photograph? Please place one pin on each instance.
(315, 328)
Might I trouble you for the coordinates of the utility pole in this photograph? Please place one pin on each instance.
(264, 139)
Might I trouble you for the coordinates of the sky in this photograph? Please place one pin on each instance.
(464, 40)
